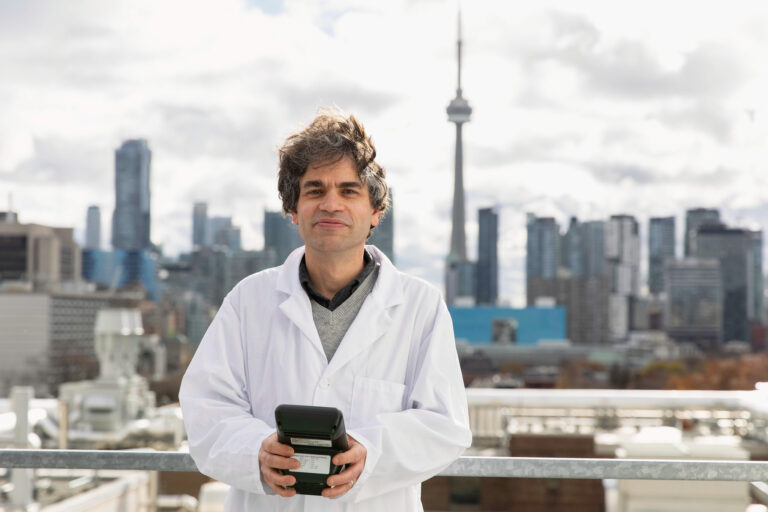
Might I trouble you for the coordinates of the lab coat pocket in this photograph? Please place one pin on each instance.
(374, 396)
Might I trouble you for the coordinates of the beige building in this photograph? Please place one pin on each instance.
(40, 256)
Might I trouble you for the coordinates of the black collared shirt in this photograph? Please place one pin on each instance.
(368, 265)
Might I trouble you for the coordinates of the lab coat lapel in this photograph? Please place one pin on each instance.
(375, 316)
(296, 306)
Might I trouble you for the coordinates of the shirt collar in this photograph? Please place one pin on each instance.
(368, 265)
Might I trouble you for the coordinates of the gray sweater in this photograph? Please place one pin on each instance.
(332, 325)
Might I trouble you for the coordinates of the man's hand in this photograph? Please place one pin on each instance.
(275, 455)
(354, 458)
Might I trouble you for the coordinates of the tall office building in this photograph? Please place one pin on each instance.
(280, 234)
(571, 248)
(131, 218)
(694, 219)
(589, 321)
(487, 256)
(384, 235)
(593, 248)
(734, 249)
(458, 272)
(199, 225)
(542, 247)
(571, 269)
(93, 228)
(622, 253)
(694, 306)
(39, 255)
(661, 247)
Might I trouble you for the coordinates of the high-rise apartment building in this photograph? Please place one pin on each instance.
(694, 219)
(383, 236)
(93, 228)
(622, 252)
(131, 218)
(487, 256)
(280, 234)
(199, 225)
(661, 247)
(694, 306)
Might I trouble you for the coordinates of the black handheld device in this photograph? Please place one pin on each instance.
(316, 435)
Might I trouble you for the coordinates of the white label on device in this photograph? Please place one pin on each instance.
(313, 463)
(303, 441)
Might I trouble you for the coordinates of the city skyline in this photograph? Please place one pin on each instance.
(582, 111)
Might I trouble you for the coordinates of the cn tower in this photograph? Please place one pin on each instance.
(459, 113)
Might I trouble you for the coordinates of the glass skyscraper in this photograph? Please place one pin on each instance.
(93, 228)
(661, 247)
(694, 219)
(734, 249)
(487, 256)
(131, 218)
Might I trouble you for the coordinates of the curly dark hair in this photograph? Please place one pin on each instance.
(331, 136)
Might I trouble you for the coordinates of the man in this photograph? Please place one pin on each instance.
(336, 325)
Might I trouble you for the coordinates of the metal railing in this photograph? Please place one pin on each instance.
(513, 467)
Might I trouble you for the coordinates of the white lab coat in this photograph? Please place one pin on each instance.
(395, 377)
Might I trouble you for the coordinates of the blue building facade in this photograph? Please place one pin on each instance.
(533, 324)
(119, 268)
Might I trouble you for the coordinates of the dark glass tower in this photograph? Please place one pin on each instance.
(487, 256)
(661, 247)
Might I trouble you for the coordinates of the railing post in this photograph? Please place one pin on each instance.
(21, 495)
(153, 491)
(63, 424)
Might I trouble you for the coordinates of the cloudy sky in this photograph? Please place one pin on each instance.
(580, 108)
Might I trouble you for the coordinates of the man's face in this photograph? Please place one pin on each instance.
(334, 212)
